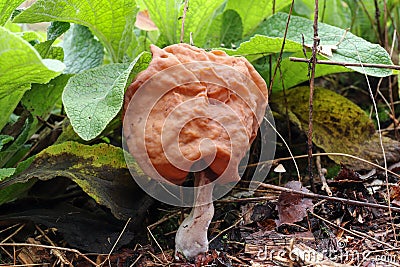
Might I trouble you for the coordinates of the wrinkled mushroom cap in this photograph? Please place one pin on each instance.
(208, 107)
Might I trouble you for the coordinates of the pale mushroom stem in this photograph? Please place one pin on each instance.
(191, 237)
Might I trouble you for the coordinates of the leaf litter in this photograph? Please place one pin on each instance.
(284, 230)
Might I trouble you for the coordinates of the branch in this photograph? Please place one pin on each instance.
(318, 196)
(312, 67)
(346, 64)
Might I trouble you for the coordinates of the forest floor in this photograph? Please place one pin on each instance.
(268, 228)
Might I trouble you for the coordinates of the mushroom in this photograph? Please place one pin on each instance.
(279, 169)
(193, 111)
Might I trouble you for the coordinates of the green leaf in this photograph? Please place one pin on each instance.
(336, 13)
(260, 45)
(351, 49)
(56, 29)
(198, 20)
(81, 50)
(100, 170)
(7, 7)
(254, 12)
(94, 97)
(7, 154)
(6, 172)
(20, 65)
(232, 28)
(111, 21)
(296, 73)
(40, 100)
(31, 37)
(166, 15)
(4, 139)
(45, 48)
(56, 52)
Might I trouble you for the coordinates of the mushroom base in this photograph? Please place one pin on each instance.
(191, 237)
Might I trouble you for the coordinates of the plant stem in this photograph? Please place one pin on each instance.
(185, 8)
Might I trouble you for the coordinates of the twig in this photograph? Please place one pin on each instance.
(346, 64)
(325, 185)
(310, 103)
(163, 219)
(13, 233)
(235, 259)
(318, 196)
(278, 62)
(185, 8)
(247, 199)
(50, 247)
(25, 265)
(158, 245)
(395, 122)
(56, 252)
(378, 22)
(137, 259)
(353, 232)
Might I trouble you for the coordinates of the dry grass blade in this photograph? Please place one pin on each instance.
(49, 247)
(116, 242)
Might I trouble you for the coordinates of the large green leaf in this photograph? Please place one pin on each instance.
(20, 65)
(100, 170)
(94, 97)
(261, 45)
(166, 15)
(253, 12)
(81, 50)
(294, 73)
(45, 48)
(111, 21)
(339, 125)
(41, 99)
(6, 9)
(231, 28)
(351, 49)
(199, 18)
(333, 12)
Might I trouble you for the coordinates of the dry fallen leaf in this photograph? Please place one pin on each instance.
(293, 207)
(144, 22)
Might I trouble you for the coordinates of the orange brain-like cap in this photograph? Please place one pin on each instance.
(187, 95)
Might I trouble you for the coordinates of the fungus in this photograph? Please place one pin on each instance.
(193, 111)
(279, 169)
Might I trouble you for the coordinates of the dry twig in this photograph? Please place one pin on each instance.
(338, 199)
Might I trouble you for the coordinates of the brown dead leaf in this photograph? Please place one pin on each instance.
(144, 22)
(395, 195)
(347, 174)
(293, 207)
